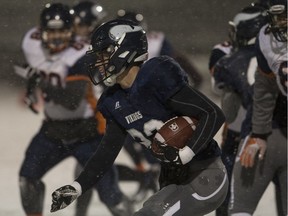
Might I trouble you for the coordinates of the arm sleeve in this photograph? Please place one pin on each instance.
(264, 100)
(104, 157)
(191, 102)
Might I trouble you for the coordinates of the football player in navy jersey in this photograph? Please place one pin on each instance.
(139, 99)
(87, 15)
(158, 45)
(263, 154)
(71, 125)
(235, 74)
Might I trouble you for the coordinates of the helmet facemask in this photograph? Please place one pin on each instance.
(126, 47)
(56, 40)
(278, 22)
(99, 72)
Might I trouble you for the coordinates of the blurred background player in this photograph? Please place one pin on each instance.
(72, 126)
(262, 156)
(224, 48)
(217, 52)
(88, 15)
(235, 74)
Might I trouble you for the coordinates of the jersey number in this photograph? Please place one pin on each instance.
(150, 128)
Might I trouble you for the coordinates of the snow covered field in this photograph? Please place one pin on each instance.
(17, 126)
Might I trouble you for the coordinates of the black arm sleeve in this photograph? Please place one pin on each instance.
(190, 102)
(70, 96)
(104, 157)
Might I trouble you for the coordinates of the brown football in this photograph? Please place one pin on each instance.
(175, 132)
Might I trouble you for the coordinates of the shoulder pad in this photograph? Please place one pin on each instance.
(164, 75)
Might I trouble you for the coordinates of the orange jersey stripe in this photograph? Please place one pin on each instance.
(101, 126)
(78, 77)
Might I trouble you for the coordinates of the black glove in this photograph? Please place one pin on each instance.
(31, 97)
(165, 153)
(63, 197)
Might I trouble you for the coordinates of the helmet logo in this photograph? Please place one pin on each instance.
(123, 55)
(244, 17)
(116, 32)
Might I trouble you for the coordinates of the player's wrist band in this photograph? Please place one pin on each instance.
(78, 187)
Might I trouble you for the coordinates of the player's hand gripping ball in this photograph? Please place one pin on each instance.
(169, 143)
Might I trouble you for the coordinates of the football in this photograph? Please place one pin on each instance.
(175, 132)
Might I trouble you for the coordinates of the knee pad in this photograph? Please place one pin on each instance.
(32, 195)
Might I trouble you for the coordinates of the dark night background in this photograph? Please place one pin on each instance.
(193, 26)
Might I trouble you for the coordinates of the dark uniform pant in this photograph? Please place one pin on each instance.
(204, 192)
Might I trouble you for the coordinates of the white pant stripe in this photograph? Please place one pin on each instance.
(173, 209)
(198, 197)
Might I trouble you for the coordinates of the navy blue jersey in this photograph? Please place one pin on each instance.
(236, 71)
(140, 109)
(218, 51)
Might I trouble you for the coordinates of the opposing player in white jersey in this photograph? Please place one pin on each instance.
(263, 154)
(72, 126)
